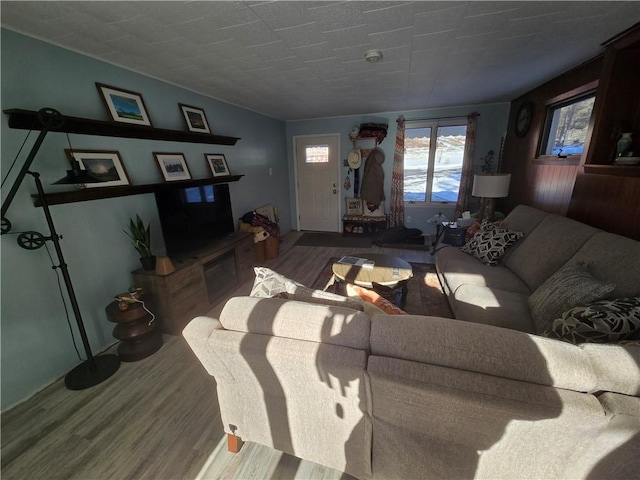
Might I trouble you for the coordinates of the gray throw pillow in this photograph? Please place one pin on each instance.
(569, 287)
(605, 321)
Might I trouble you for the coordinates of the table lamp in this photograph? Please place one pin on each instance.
(490, 186)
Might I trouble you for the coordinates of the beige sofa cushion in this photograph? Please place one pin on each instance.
(613, 453)
(474, 347)
(547, 248)
(298, 320)
(617, 367)
(472, 272)
(615, 259)
(491, 306)
(524, 219)
(437, 422)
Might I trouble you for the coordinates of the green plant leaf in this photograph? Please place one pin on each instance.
(140, 236)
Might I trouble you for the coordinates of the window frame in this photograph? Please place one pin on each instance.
(434, 124)
(551, 105)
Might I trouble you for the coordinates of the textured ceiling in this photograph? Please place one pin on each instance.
(297, 59)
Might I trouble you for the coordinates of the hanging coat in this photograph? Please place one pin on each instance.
(372, 190)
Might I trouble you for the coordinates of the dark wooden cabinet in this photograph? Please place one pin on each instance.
(198, 282)
(617, 106)
(605, 195)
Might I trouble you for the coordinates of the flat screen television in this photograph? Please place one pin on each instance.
(193, 217)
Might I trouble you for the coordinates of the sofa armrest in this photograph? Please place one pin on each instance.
(482, 349)
(198, 333)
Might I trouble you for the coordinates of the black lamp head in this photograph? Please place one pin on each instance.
(77, 176)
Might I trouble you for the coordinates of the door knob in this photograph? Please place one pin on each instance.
(335, 191)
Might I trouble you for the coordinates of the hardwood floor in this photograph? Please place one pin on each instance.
(156, 418)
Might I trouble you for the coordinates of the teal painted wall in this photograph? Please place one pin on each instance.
(35, 339)
(36, 346)
(492, 125)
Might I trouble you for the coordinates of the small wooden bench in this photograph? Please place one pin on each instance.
(363, 224)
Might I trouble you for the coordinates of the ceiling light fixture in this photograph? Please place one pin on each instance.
(373, 56)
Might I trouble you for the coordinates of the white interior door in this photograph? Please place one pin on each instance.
(317, 169)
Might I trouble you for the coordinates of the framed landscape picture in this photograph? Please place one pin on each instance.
(218, 164)
(195, 118)
(124, 106)
(173, 166)
(106, 166)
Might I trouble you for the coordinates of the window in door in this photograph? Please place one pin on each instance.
(316, 154)
(433, 156)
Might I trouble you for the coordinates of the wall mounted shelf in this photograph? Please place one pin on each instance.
(618, 170)
(86, 194)
(28, 120)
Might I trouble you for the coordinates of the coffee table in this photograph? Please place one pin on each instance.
(388, 276)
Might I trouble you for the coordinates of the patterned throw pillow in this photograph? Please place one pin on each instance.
(601, 322)
(473, 229)
(490, 243)
(569, 287)
(376, 299)
(270, 284)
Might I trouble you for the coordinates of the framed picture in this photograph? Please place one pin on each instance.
(124, 106)
(218, 164)
(103, 165)
(354, 206)
(195, 118)
(173, 166)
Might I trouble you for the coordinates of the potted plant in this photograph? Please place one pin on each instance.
(141, 238)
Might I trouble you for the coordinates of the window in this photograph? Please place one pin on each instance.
(566, 126)
(433, 154)
(317, 154)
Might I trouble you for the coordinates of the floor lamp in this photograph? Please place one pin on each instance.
(93, 370)
(490, 186)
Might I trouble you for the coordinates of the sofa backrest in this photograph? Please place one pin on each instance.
(555, 240)
(524, 219)
(615, 259)
(278, 317)
(616, 367)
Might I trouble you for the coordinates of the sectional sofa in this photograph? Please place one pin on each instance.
(410, 396)
(500, 294)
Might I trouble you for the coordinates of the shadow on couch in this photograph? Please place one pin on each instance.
(417, 413)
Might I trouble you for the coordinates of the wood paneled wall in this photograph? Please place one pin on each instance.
(588, 188)
(609, 202)
(544, 184)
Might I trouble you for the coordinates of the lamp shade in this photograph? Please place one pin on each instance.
(491, 185)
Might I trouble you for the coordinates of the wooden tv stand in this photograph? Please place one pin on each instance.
(198, 282)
